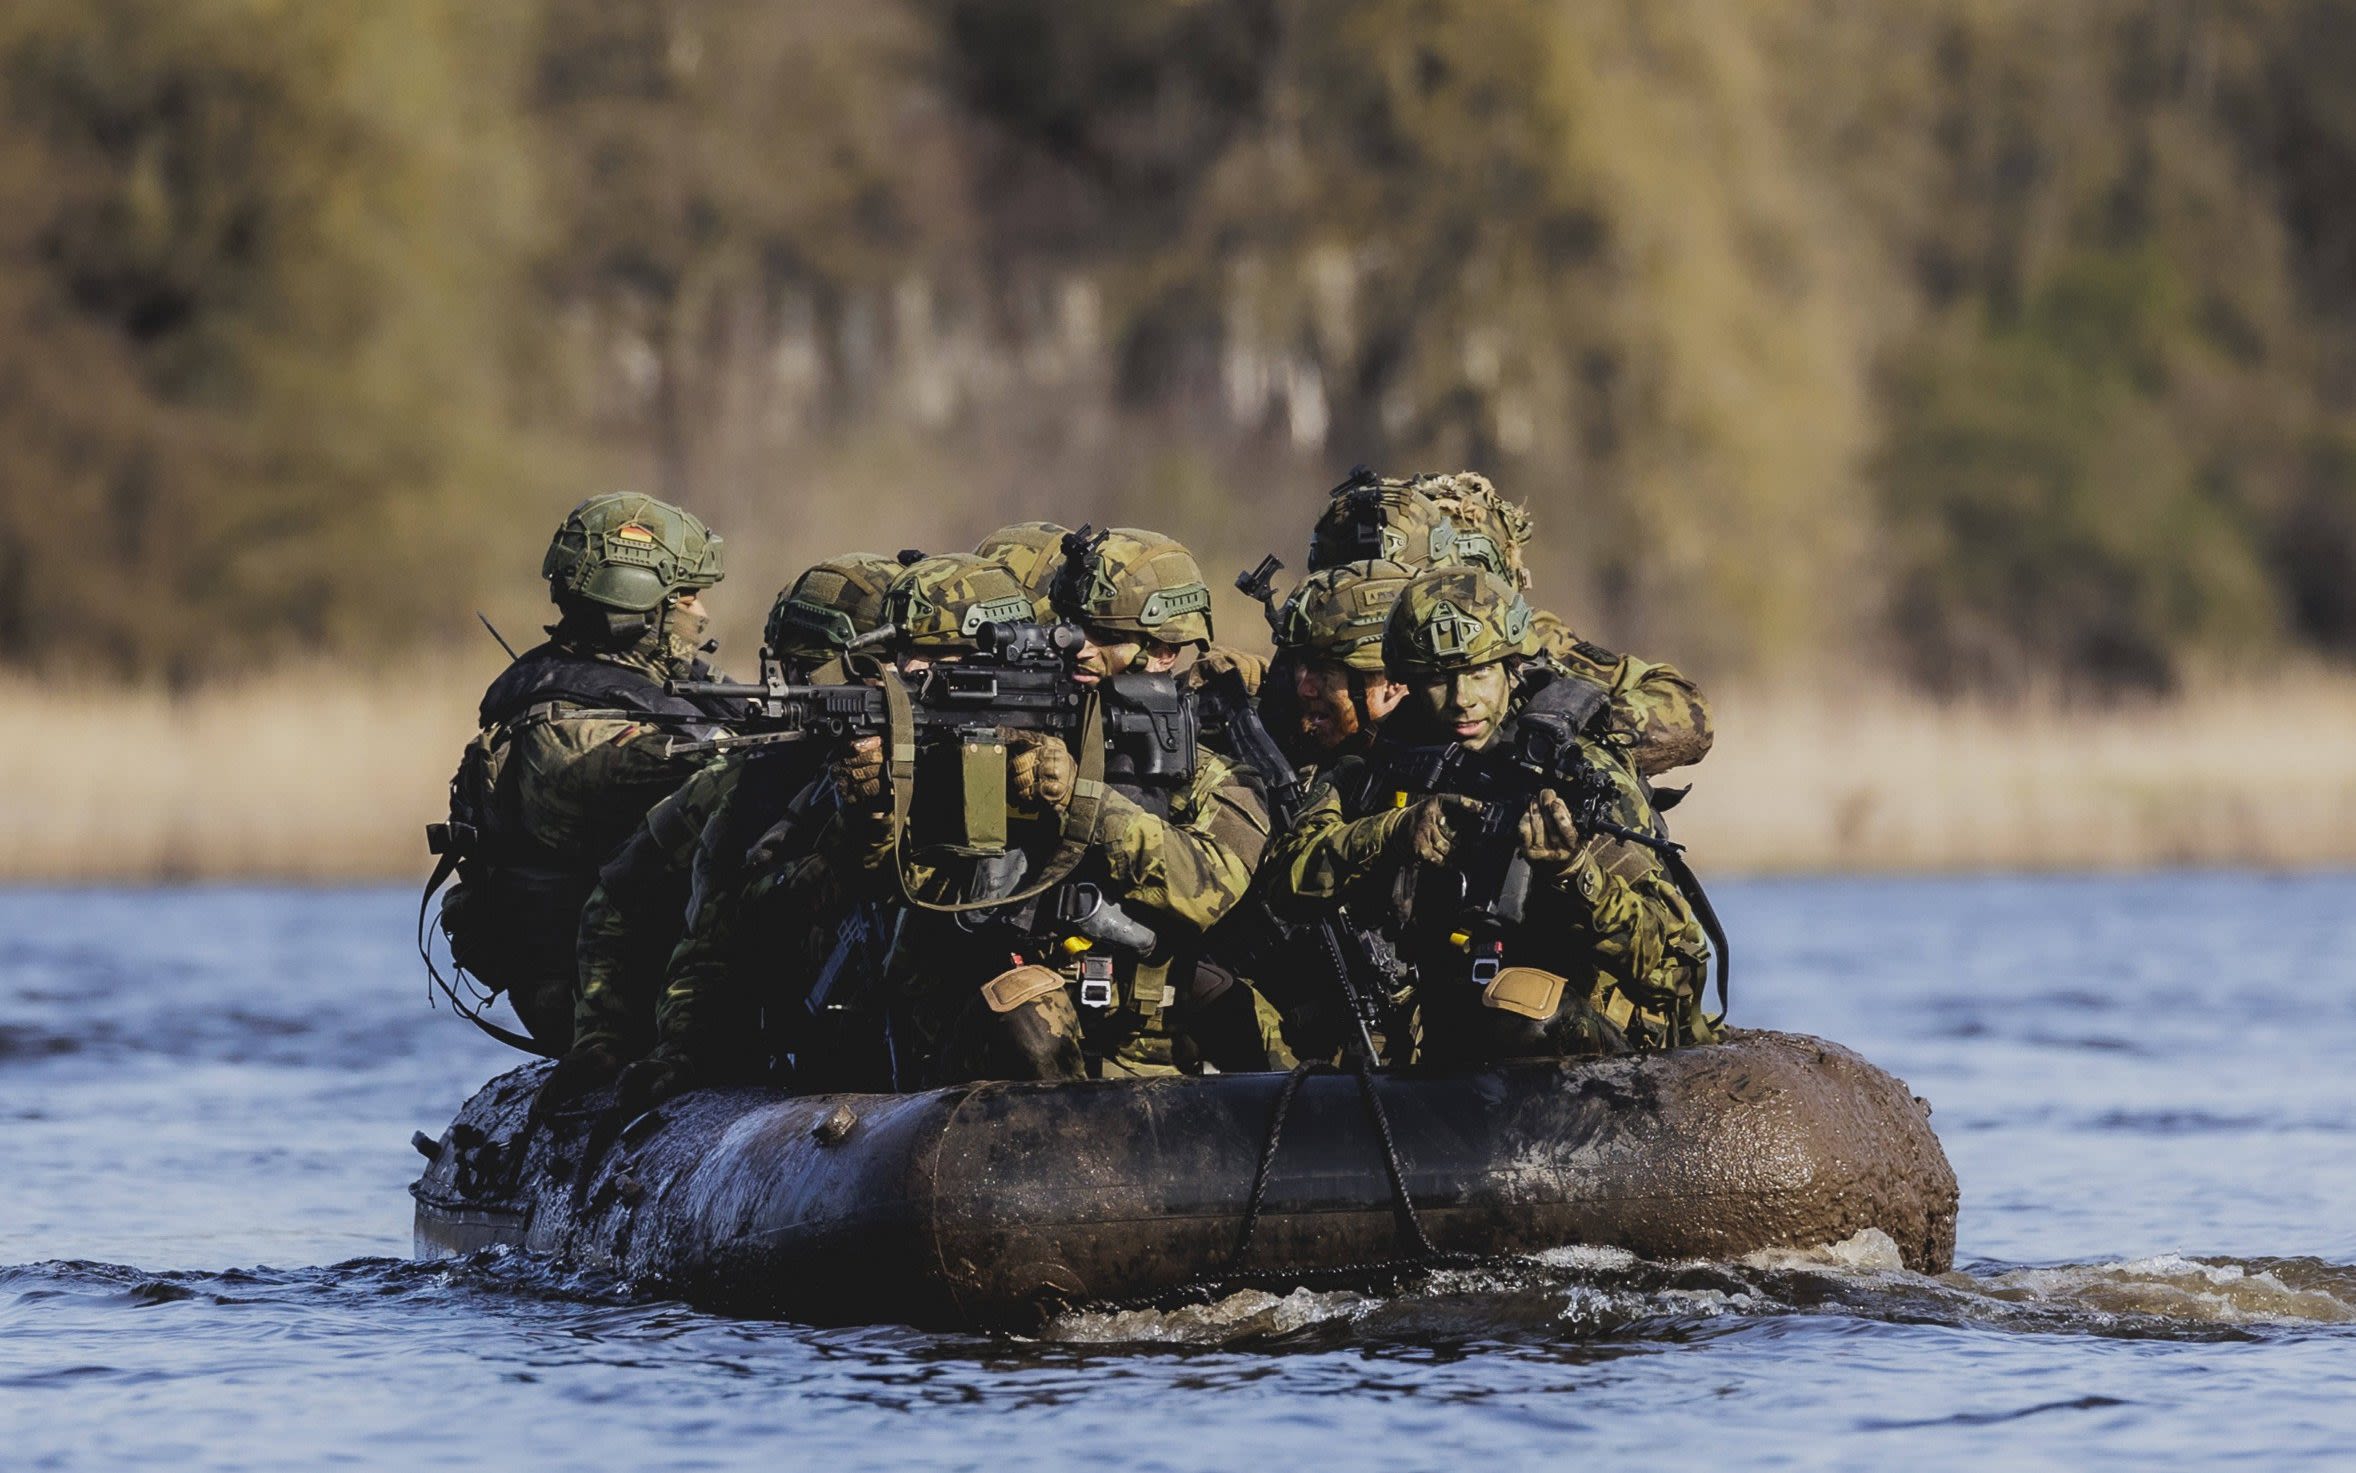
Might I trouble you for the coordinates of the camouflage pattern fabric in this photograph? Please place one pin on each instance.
(939, 604)
(1370, 516)
(829, 605)
(1655, 713)
(1454, 619)
(1033, 552)
(1490, 530)
(1339, 613)
(1611, 921)
(1135, 582)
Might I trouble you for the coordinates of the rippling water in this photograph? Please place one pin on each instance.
(2142, 1085)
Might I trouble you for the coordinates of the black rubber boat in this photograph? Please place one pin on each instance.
(989, 1204)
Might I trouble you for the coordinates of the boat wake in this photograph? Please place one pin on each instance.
(1605, 1293)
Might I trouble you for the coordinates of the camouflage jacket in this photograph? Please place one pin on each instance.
(1655, 711)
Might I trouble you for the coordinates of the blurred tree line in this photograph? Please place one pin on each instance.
(1996, 341)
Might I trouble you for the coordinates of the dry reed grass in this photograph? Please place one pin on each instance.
(323, 776)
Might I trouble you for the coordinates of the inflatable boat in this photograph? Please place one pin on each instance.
(989, 1205)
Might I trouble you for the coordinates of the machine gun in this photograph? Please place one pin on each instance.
(1019, 680)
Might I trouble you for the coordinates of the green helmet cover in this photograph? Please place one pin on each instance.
(939, 604)
(831, 604)
(1490, 530)
(1371, 516)
(1033, 552)
(1340, 614)
(628, 552)
(1131, 581)
(1451, 619)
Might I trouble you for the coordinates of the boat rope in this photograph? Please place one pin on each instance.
(1421, 1258)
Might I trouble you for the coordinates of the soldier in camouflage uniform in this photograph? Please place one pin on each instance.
(1656, 712)
(1605, 954)
(1329, 634)
(576, 746)
(691, 842)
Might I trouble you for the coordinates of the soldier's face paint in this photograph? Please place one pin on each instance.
(1466, 704)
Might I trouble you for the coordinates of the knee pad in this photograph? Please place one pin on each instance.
(1010, 990)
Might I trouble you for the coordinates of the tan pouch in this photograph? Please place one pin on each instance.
(1010, 990)
(1525, 990)
(1612, 1004)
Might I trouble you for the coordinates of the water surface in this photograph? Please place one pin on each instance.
(204, 1232)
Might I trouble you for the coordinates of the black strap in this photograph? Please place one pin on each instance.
(444, 867)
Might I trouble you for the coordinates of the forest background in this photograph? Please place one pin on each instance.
(1963, 390)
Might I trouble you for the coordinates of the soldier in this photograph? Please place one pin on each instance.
(1656, 712)
(576, 745)
(691, 842)
(1594, 948)
(1329, 634)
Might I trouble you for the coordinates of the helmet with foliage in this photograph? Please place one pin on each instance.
(831, 604)
(1372, 516)
(1340, 614)
(1490, 530)
(1451, 619)
(1033, 552)
(1131, 581)
(627, 553)
(938, 605)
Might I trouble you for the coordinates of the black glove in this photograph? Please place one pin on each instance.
(649, 1082)
(587, 1069)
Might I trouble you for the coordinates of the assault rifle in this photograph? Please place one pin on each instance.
(1490, 876)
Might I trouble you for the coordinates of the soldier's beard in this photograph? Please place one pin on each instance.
(683, 637)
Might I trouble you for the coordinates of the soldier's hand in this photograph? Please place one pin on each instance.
(858, 769)
(649, 1082)
(587, 1069)
(1550, 837)
(1432, 825)
(1043, 771)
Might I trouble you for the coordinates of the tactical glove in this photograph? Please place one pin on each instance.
(588, 1068)
(1433, 823)
(649, 1082)
(858, 770)
(1043, 771)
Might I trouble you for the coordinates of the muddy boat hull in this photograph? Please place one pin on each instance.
(986, 1204)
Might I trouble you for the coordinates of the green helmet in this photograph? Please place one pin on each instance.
(628, 552)
(831, 604)
(1451, 619)
(939, 604)
(1371, 516)
(1136, 582)
(1340, 614)
(1033, 552)
(1490, 530)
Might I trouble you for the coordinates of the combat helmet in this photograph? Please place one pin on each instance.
(1131, 581)
(1033, 552)
(627, 553)
(1451, 619)
(1490, 530)
(938, 605)
(1340, 614)
(832, 603)
(1373, 516)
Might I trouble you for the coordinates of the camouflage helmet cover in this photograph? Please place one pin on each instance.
(938, 605)
(832, 603)
(1340, 613)
(1451, 619)
(1371, 516)
(1490, 530)
(1132, 581)
(629, 552)
(1033, 552)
